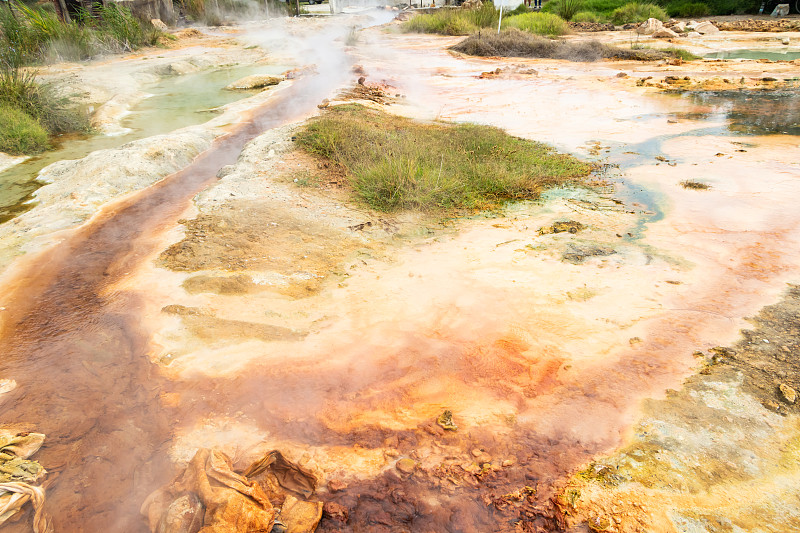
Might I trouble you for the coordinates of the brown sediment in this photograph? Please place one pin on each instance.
(242, 236)
(75, 348)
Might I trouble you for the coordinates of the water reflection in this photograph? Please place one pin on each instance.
(773, 55)
(748, 113)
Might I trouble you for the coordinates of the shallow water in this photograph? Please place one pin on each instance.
(787, 54)
(749, 113)
(173, 103)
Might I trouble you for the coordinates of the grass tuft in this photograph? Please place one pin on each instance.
(696, 185)
(453, 21)
(538, 23)
(20, 133)
(681, 53)
(395, 163)
(566, 9)
(20, 90)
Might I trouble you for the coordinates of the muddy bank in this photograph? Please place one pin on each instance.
(720, 453)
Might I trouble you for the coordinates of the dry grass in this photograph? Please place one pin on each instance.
(395, 163)
(696, 185)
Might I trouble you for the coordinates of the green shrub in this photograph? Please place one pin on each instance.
(20, 133)
(587, 16)
(458, 26)
(635, 12)
(688, 9)
(485, 17)
(36, 35)
(19, 89)
(538, 23)
(433, 23)
(396, 163)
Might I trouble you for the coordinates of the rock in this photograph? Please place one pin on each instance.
(578, 253)
(256, 81)
(598, 524)
(650, 27)
(300, 516)
(184, 515)
(664, 33)
(336, 485)
(334, 511)
(622, 75)
(781, 10)
(159, 24)
(405, 466)
(472, 4)
(361, 80)
(679, 27)
(705, 28)
(693, 34)
(788, 394)
(562, 226)
(692, 24)
(785, 41)
(445, 420)
(7, 385)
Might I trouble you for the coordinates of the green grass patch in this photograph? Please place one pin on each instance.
(395, 163)
(20, 133)
(635, 12)
(603, 10)
(453, 21)
(587, 16)
(466, 22)
(38, 110)
(538, 23)
(20, 90)
(681, 53)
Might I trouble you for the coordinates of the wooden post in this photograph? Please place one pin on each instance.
(297, 3)
(61, 11)
(8, 3)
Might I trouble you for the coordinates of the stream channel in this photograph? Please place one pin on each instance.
(172, 103)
